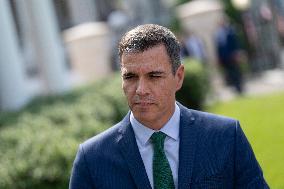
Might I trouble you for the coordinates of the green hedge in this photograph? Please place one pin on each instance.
(195, 86)
(39, 143)
(37, 153)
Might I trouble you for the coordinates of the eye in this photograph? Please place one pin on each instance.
(128, 76)
(155, 76)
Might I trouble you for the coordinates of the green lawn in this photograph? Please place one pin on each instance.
(262, 119)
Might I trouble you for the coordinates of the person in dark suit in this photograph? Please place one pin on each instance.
(229, 54)
(160, 143)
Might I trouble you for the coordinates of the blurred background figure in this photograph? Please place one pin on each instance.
(229, 54)
(195, 47)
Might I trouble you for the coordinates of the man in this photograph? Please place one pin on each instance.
(195, 47)
(229, 55)
(160, 143)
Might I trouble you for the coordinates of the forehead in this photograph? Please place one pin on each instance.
(152, 59)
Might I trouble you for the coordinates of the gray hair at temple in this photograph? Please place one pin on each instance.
(146, 36)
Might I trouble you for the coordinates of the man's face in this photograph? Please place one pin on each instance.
(150, 86)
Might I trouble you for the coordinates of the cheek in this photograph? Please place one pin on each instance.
(128, 89)
(167, 86)
(166, 91)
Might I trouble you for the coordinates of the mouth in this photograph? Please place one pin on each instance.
(143, 104)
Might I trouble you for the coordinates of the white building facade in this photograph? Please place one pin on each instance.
(50, 46)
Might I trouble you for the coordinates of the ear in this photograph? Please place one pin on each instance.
(179, 77)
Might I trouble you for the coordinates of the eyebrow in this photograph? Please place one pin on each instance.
(127, 74)
(152, 72)
(156, 73)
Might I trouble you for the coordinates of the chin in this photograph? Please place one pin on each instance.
(143, 115)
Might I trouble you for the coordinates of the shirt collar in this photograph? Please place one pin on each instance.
(143, 133)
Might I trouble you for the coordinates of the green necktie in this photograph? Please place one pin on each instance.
(162, 174)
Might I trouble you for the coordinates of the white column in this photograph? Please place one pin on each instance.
(26, 33)
(49, 49)
(82, 11)
(13, 93)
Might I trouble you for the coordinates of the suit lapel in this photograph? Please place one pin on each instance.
(130, 151)
(188, 138)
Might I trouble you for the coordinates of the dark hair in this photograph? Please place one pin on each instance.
(147, 36)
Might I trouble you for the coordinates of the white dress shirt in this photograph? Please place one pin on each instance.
(171, 145)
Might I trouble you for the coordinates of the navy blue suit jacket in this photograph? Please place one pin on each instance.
(214, 153)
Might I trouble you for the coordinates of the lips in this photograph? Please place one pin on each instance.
(143, 103)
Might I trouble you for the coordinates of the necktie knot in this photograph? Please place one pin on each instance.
(158, 138)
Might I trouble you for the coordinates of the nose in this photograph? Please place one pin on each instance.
(142, 87)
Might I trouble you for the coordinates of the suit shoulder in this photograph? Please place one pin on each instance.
(103, 139)
(215, 118)
(205, 116)
(213, 122)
